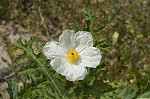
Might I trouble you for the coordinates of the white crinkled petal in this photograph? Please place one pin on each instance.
(72, 72)
(83, 39)
(52, 50)
(60, 66)
(90, 57)
(67, 39)
(76, 73)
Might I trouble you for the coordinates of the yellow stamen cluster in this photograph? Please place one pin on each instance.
(72, 55)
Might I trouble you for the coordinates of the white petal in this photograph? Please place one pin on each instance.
(83, 39)
(90, 57)
(67, 39)
(60, 65)
(52, 50)
(76, 73)
(72, 72)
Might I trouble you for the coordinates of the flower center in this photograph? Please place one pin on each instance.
(72, 55)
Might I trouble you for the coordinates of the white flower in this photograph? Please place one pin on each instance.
(72, 54)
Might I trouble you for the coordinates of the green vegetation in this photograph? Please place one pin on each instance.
(121, 24)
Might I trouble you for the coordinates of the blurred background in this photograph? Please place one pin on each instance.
(127, 31)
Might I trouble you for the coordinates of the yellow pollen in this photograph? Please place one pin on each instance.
(72, 55)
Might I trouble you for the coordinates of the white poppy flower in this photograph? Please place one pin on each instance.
(72, 54)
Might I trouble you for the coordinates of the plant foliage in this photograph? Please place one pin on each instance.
(35, 79)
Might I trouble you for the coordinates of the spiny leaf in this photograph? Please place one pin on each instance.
(96, 89)
(39, 87)
(144, 95)
(20, 57)
(143, 88)
(102, 44)
(12, 89)
(101, 66)
(30, 42)
(19, 41)
(88, 15)
(97, 42)
(126, 92)
(100, 87)
(88, 21)
(27, 47)
(99, 29)
(29, 71)
(77, 26)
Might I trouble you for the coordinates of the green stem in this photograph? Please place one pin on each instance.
(45, 70)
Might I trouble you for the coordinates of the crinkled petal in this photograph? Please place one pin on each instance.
(76, 73)
(60, 66)
(83, 39)
(72, 72)
(52, 50)
(90, 57)
(67, 39)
